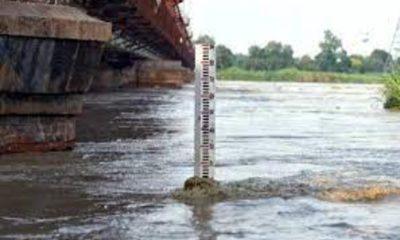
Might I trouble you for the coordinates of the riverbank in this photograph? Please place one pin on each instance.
(295, 75)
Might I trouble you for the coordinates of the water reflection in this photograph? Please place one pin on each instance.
(201, 220)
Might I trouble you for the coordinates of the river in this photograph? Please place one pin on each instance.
(135, 147)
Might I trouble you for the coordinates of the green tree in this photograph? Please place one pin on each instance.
(241, 61)
(272, 57)
(306, 63)
(357, 63)
(206, 39)
(344, 62)
(225, 57)
(256, 60)
(333, 57)
(377, 61)
(278, 56)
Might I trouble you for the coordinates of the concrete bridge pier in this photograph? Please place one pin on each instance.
(163, 74)
(142, 74)
(48, 54)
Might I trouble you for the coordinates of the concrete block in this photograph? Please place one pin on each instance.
(163, 74)
(36, 65)
(36, 133)
(23, 104)
(51, 21)
(107, 78)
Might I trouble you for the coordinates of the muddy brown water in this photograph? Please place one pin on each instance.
(289, 153)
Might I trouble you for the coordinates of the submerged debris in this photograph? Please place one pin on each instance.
(200, 190)
(197, 190)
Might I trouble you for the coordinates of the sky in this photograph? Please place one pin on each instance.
(239, 24)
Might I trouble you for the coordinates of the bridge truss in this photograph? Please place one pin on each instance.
(151, 29)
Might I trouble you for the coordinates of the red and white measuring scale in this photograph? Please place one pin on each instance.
(205, 111)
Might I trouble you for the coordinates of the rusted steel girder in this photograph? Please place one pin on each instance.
(164, 18)
(157, 20)
(169, 24)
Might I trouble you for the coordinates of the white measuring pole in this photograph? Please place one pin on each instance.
(205, 111)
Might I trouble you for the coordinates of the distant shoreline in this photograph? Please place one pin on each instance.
(295, 75)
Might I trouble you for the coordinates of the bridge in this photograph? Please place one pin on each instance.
(54, 51)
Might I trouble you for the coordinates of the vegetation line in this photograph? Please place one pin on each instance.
(276, 56)
(295, 75)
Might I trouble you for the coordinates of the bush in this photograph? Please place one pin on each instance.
(392, 92)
